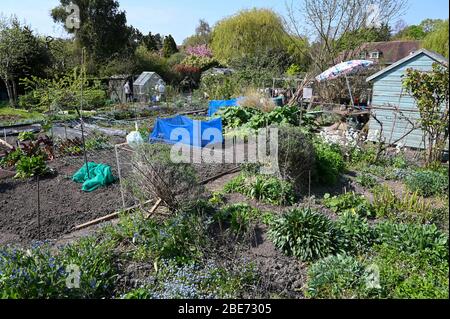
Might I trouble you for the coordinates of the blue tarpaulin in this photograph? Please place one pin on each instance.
(214, 106)
(187, 131)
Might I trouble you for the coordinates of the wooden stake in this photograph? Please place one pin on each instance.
(152, 210)
(6, 144)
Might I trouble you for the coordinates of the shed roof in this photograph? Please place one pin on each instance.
(433, 55)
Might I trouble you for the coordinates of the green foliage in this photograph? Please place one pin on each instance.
(27, 167)
(169, 46)
(410, 274)
(353, 40)
(412, 238)
(11, 158)
(293, 70)
(103, 29)
(304, 234)
(329, 162)
(64, 92)
(21, 54)
(203, 63)
(354, 235)
(40, 273)
(172, 239)
(296, 158)
(409, 207)
(239, 217)
(366, 180)
(221, 86)
(26, 136)
(430, 90)
(336, 277)
(267, 189)
(247, 33)
(195, 281)
(427, 183)
(413, 32)
(349, 203)
(437, 40)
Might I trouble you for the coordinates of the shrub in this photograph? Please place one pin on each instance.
(335, 277)
(155, 175)
(296, 158)
(349, 202)
(410, 207)
(195, 281)
(410, 275)
(41, 273)
(174, 238)
(26, 136)
(427, 183)
(267, 189)
(304, 234)
(354, 235)
(366, 180)
(31, 166)
(413, 238)
(329, 162)
(239, 217)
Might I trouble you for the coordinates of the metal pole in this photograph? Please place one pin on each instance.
(81, 113)
(120, 176)
(349, 91)
(38, 208)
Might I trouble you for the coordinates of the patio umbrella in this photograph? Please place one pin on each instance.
(344, 69)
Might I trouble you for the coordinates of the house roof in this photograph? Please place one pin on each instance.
(391, 51)
(437, 57)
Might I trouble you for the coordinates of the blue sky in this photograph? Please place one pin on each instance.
(180, 17)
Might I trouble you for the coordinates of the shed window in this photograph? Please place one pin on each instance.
(375, 55)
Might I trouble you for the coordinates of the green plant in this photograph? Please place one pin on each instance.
(366, 180)
(304, 234)
(409, 274)
(267, 189)
(31, 166)
(238, 216)
(349, 202)
(11, 158)
(41, 272)
(354, 235)
(409, 207)
(296, 159)
(427, 183)
(413, 238)
(195, 281)
(336, 277)
(430, 91)
(26, 136)
(329, 162)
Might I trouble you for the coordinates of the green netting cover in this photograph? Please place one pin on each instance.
(100, 175)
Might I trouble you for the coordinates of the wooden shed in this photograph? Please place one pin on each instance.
(393, 106)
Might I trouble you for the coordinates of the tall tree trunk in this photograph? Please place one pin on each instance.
(9, 91)
(14, 91)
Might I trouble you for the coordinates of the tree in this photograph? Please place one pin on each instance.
(431, 25)
(353, 40)
(103, 30)
(202, 35)
(21, 55)
(438, 40)
(413, 32)
(249, 33)
(431, 92)
(326, 21)
(169, 46)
